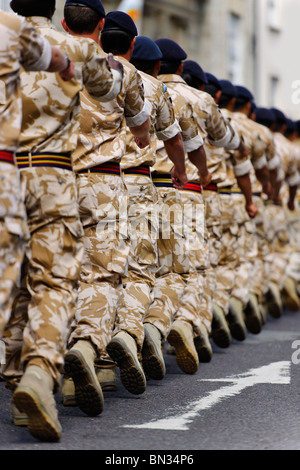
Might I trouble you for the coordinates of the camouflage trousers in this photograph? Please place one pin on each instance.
(45, 304)
(13, 235)
(293, 221)
(246, 249)
(213, 222)
(197, 249)
(278, 240)
(138, 283)
(103, 213)
(263, 260)
(173, 262)
(228, 257)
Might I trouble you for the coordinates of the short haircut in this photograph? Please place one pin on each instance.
(81, 20)
(169, 67)
(116, 41)
(146, 66)
(44, 8)
(211, 89)
(240, 103)
(225, 100)
(191, 80)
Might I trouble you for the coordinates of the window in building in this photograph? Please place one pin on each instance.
(235, 53)
(273, 14)
(273, 91)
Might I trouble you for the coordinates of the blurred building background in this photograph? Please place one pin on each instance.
(250, 42)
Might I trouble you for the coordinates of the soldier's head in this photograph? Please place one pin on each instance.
(172, 56)
(265, 116)
(83, 17)
(146, 55)
(194, 75)
(280, 121)
(244, 100)
(45, 8)
(118, 34)
(291, 129)
(229, 94)
(213, 87)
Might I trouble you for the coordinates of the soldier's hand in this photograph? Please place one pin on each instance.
(179, 179)
(291, 205)
(251, 210)
(205, 179)
(142, 143)
(69, 72)
(115, 64)
(243, 150)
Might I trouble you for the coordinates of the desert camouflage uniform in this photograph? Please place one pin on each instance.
(263, 260)
(293, 220)
(279, 239)
(173, 256)
(247, 242)
(143, 212)
(51, 110)
(228, 258)
(20, 46)
(218, 134)
(103, 207)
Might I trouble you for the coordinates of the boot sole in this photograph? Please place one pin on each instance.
(39, 422)
(184, 356)
(253, 324)
(131, 374)
(88, 394)
(220, 336)
(238, 332)
(204, 353)
(153, 365)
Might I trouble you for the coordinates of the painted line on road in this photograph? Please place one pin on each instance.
(274, 373)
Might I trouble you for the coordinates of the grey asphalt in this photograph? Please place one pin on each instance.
(265, 416)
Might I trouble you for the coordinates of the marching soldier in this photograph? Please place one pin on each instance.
(54, 253)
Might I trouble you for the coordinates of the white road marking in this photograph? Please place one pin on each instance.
(274, 373)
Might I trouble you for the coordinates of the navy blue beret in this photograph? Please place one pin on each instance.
(279, 115)
(212, 80)
(171, 51)
(244, 93)
(118, 20)
(291, 125)
(146, 49)
(194, 69)
(265, 115)
(93, 4)
(228, 88)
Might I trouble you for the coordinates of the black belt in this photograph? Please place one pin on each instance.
(57, 160)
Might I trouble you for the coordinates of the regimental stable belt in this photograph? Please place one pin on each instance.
(142, 170)
(225, 190)
(162, 180)
(108, 168)
(42, 159)
(193, 186)
(7, 157)
(211, 187)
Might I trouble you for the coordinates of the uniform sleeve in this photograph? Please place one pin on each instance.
(166, 125)
(191, 137)
(35, 49)
(220, 133)
(101, 82)
(137, 107)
